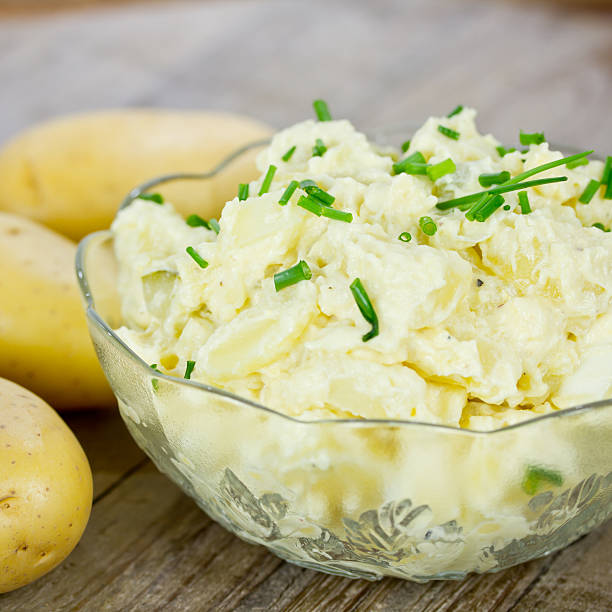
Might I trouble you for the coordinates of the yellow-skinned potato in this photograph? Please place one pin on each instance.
(45, 488)
(72, 173)
(44, 342)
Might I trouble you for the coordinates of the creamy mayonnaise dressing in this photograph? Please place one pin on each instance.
(482, 325)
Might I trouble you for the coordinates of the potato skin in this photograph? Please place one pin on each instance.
(72, 173)
(45, 488)
(44, 342)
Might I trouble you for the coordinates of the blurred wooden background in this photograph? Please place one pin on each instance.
(531, 65)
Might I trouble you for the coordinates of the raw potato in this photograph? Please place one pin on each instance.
(72, 173)
(44, 342)
(45, 488)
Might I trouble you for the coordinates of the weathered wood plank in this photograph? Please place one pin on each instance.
(579, 579)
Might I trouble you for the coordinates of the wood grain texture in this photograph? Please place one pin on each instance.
(543, 67)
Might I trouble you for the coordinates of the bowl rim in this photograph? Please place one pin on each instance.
(92, 314)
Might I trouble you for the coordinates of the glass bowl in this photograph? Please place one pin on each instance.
(358, 498)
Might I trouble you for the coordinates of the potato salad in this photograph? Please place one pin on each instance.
(451, 281)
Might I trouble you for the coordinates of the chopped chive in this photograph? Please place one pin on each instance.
(405, 168)
(470, 215)
(438, 170)
(405, 237)
(152, 197)
(455, 111)
(292, 275)
(265, 186)
(489, 208)
(428, 226)
(197, 221)
(365, 307)
(523, 199)
(243, 191)
(553, 164)
(497, 178)
(458, 202)
(415, 159)
(503, 151)
(507, 207)
(307, 183)
(601, 226)
(589, 192)
(319, 148)
(189, 369)
(576, 163)
(535, 138)
(536, 476)
(607, 171)
(287, 156)
(155, 382)
(196, 257)
(312, 189)
(293, 185)
(214, 225)
(448, 132)
(338, 215)
(608, 191)
(322, 111)
(310, 204)
(405, 146)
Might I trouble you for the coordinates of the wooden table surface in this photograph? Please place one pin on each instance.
(535, 66)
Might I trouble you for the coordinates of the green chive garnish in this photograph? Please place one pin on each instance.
(338, 215)
(607, 171)
(312, 189)
(243, 191)
(535, 138)
(196, 257)
(448, 132)
(489, 208)
(536, 476)
(405, 146)
(292, 275)
(578, 162)
(458, 202)
(523, 199)
(287, 156)
(553, 164)
(507, 207)
(155, 382)
(320, 108)
(365, 307)
(606, 178)
(152, 197)
(214, 225)
(265, 186)
(189, 369)
(405, 237)
(601, 227)
(413, 164)
(310, 204)
(589, 192)
(470, 215)
(197, 221)
(455, 111)
(503, 151)
(428, 226)
(438, 170)
(293, 185)
(497, 178)
(319, 148)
